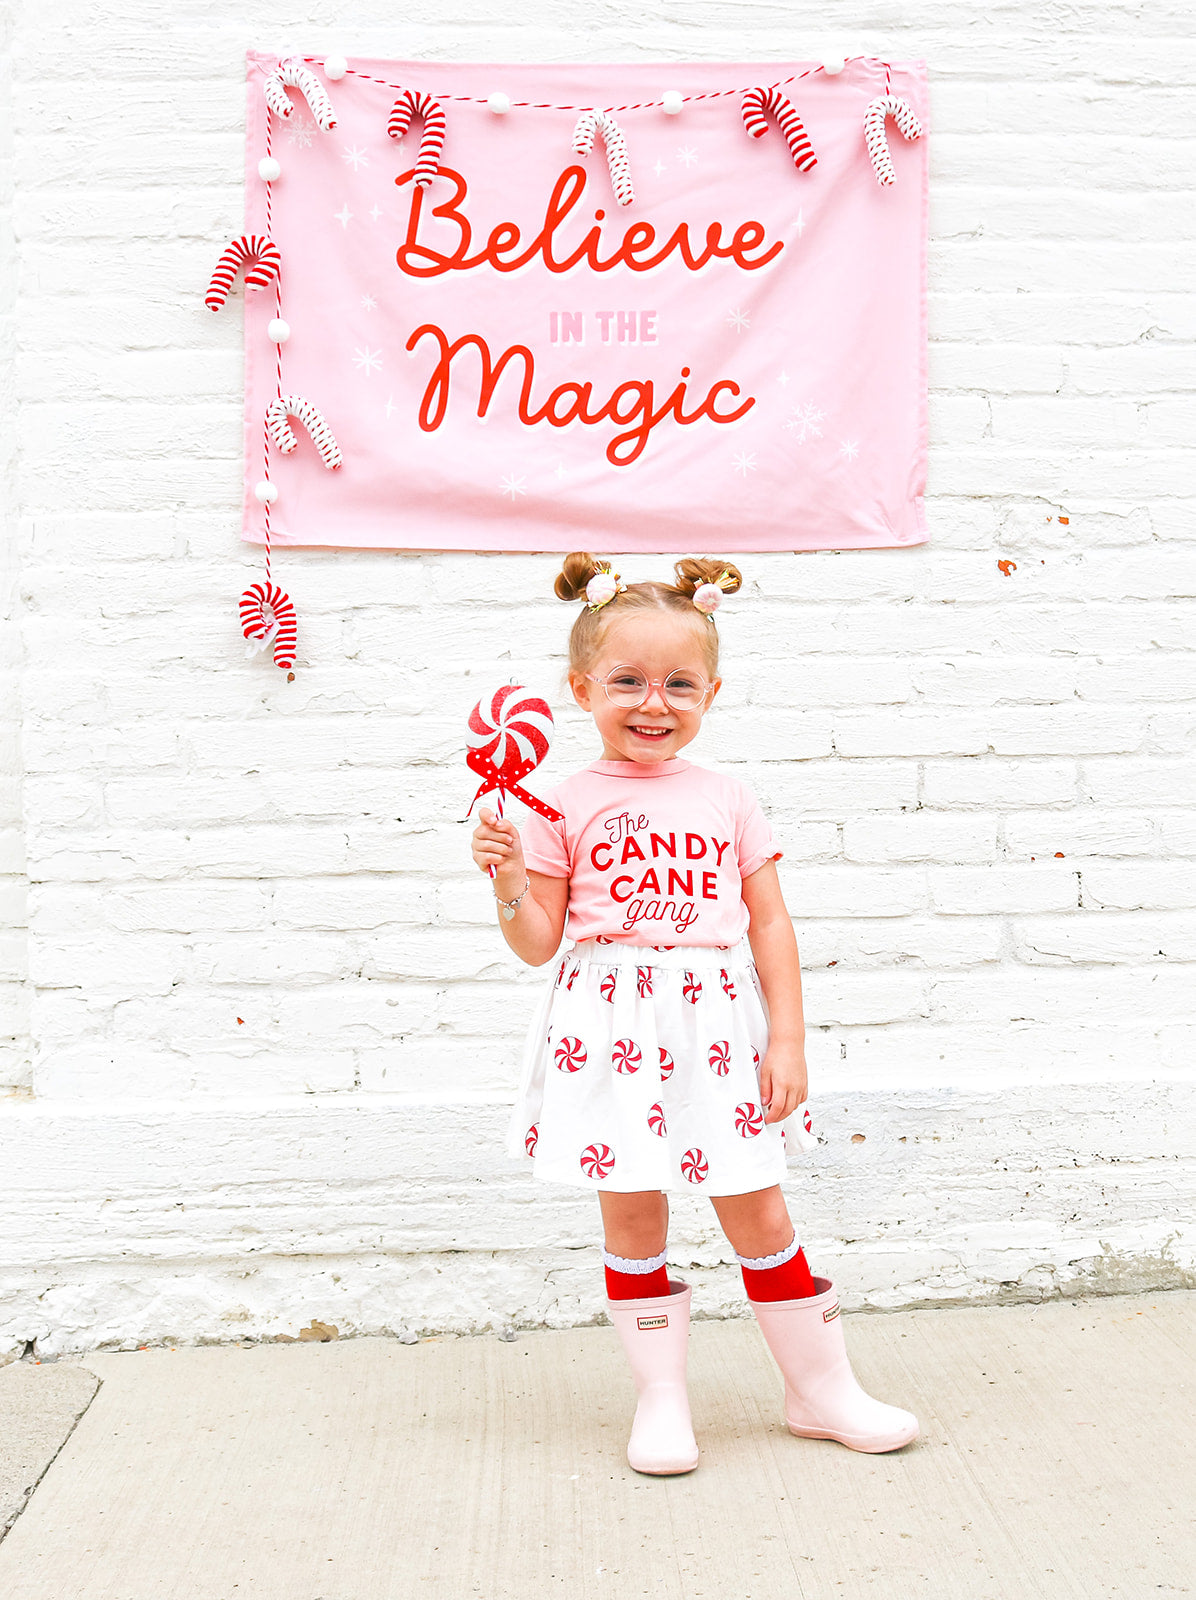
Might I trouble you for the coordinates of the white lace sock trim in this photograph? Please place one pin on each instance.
(621, 1264)
(762, 1263)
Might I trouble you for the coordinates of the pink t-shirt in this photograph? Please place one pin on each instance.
(654, 854)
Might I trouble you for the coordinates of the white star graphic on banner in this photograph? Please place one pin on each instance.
(783, 379)
(513, 485)
(744, 463)
(739, 319)
(659, 168)
(355, 157)
(390, 405)
(375, 211)
(344, 216)
(367, 360)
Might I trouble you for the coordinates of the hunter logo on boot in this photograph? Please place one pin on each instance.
(652, 1322)
(829, 1316)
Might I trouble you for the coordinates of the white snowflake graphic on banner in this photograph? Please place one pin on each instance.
(367, 361)
(301, 135)
(686, 156)
(849, 449)
(744, 463)
(805, 422)
(368, 303)
(355, 157)
(739, 319)
(513, 485)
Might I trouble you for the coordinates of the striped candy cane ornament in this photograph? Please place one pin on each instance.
(755, 108)
(259, 599)
(617, 161)
(409, 105)
(884, 106)
(283, 435)
(293, 74)
(259, 256)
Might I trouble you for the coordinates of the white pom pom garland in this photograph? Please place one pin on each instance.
(268, 169)
(707, 598)
(335, 68)
(499, 103)
(593, 122)
(833, 65)
(278, 331)
(887, 105)
(671, 102)
(265, 492)
(283, 435)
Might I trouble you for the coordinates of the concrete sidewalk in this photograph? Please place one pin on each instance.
(1056, 1460)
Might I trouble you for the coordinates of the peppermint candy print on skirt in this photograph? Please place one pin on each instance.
(642, 1072)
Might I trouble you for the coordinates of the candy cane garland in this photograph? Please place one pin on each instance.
(260, 258)
(409, 105)
(887, 105)
(755, 105)
(294, 73)
(617, 160)
(255, 602)
(283, 435)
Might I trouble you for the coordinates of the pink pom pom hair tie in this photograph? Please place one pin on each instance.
(603, 587)
(293, 74)
(887, 105)
(617, 159)
(279, 428)
(409, 105)
(755, 108)
(256, 254)
(707, 597)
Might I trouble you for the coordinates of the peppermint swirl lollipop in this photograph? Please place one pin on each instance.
(508, 737)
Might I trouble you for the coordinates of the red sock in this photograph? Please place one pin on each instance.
(790, 1281)
(651, 1285)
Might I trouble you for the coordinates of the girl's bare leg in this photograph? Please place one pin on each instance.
(636, 1226)
(756, 1224)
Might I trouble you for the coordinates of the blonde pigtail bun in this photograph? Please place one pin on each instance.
(694, 571)
(580, 566)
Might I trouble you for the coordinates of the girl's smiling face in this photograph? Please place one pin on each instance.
(657, 643)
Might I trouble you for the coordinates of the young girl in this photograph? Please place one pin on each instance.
(670, 1048)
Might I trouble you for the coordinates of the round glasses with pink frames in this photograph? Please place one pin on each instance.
(628, 688)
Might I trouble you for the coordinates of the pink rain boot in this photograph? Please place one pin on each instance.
(655, 1336)
(822, 1398)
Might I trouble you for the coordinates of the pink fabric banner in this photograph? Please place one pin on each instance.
(508, 358)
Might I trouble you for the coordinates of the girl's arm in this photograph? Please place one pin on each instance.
(774, 947)
(534, 932)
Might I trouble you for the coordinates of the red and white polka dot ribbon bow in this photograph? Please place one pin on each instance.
(617, 160)
(283, 435)
(259, 256)
(755, 108)
(412, 104)
(267, 610)
(295, 75)
(887, 105)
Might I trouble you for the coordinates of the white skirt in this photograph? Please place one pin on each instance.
(642, 1072)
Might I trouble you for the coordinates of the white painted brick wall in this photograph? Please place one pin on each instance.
(260, 1031)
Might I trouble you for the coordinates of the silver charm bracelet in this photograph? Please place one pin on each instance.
(509, 907)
